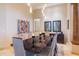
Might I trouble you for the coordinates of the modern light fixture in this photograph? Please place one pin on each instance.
(45, 5)
(30, 7)
(32, 34)
(28, 4)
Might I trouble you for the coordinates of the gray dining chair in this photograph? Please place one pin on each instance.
(18, 47)
(53, 48)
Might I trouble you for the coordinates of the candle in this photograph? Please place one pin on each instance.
(40, 32)
(33, 34)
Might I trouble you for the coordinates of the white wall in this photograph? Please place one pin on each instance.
(9, 15)
(2, 19)
(15, 12)
(12, 16)
(70, 17)
(2, 25)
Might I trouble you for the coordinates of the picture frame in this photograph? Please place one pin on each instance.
(67, 24)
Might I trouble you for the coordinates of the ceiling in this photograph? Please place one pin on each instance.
(40, 5)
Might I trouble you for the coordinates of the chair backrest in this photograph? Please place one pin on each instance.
(28, 43)
(53, 45)
(18, 47)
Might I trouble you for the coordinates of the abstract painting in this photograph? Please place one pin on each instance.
(23, 26)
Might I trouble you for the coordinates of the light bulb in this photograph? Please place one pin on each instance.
(28, 4)
(30, 9)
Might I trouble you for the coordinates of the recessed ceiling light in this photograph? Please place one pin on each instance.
(30, 9)
(45, 5)
(28, 4)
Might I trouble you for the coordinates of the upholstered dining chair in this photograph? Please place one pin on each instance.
(53, 48)
(18, 47)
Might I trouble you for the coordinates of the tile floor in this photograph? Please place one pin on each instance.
(7, 52)
(65, 48)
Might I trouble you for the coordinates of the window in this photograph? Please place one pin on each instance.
(56, 26)
(47, 26)
(52, 26)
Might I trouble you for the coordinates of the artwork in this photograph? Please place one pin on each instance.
(23, 26)
(57, 26)
(67, 24)
(47, 26)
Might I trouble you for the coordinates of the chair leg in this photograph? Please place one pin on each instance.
(55, 51)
